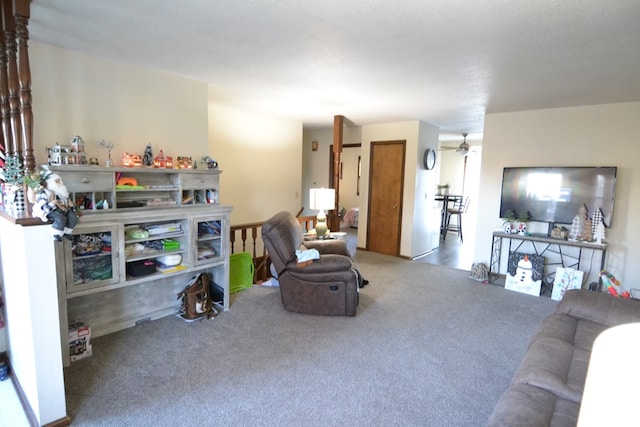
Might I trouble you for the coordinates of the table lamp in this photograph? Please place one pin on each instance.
(322, 199)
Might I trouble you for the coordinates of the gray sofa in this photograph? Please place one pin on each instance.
(547, 387)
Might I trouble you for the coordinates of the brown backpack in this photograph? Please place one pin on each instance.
(196, 299)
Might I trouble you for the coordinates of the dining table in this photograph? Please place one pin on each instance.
(446, 199)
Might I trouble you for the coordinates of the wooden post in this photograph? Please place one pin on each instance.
(10, 147)
(12, 76)
(22, 14)
(338, 124)
(5, 133)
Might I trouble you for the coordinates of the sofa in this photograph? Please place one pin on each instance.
(547, 387)
(325, 286)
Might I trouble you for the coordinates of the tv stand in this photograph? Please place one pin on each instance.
(542, 235)
(541, 245)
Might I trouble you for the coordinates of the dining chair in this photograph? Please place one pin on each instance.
(459, 207)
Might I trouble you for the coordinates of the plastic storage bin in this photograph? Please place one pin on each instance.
(240, 271)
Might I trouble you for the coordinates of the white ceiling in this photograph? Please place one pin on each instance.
(446, 62)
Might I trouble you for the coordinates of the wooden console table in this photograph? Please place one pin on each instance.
(542, 245)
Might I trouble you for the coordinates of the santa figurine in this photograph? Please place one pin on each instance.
(54, 204)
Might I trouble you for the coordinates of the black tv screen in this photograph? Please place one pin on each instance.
(554, 194)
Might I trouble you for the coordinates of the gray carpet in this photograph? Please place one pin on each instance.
(428, 347)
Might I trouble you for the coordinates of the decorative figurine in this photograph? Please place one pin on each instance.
(184, 162)
(596, 220)
(162, 161)
(577, 225)
(108, 145)
(53, 203)
(131, 160)
(210, 162)
(147, 157)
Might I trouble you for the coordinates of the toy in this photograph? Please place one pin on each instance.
(53, 203)
(610, 281)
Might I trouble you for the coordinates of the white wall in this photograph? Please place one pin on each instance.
(78, 94)
(33, 332)
(349, 197)
(96, 98)
(451, 170)
(600, 135)
(315, 164)
(261, 160)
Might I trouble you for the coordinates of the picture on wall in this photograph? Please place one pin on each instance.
(524, 273)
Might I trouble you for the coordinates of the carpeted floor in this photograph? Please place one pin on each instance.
(428, 347)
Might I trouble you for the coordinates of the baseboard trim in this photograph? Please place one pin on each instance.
(62, 422)
(24, 402)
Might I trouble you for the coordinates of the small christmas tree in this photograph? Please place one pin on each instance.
(13, 172)
(147, 158)
(577, 225)
(599, 234)
(596, 220)
(587, 231)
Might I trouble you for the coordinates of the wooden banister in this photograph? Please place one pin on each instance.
(258, 252)
(16, 115)
(22, 15)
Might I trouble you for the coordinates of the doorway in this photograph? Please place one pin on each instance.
(386, 185)
(462, 174)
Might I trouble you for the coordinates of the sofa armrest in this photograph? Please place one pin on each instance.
(327, 263)
(338, 247)
(599, 307)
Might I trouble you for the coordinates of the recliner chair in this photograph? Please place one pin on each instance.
(327, 286)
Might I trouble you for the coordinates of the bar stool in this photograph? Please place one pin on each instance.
(458, 208)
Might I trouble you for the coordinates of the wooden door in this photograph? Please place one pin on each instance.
(386, 184)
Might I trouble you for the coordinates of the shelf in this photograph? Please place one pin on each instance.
(133, 281)
(156, 237)
(207, 237)
(146, 189)
(96, 288)
(179, 186)
(92, 255)
(158, 253)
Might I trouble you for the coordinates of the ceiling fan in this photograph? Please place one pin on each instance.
(462, 149)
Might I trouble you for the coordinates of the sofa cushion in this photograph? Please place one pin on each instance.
(527, 405)
(555, 366)
(599, 307)
(576, 331)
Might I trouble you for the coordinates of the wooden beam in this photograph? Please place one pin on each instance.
(338, 128)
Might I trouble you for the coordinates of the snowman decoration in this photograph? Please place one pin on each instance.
(522, 276)
(524, 272)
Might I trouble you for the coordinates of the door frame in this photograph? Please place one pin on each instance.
(403, 143)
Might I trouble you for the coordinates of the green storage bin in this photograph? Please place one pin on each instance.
(240, 272)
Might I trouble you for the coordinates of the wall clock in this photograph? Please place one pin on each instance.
(429, 159)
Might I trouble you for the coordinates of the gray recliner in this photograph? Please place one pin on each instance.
(327, 286)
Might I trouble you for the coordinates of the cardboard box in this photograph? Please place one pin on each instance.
(79, 341)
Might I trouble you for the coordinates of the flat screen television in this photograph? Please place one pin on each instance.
(554, 194)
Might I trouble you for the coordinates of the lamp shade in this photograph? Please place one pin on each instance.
(322, 198)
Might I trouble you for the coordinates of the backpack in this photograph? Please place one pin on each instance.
(196, 299)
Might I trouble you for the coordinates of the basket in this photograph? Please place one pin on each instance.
(240, 272)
